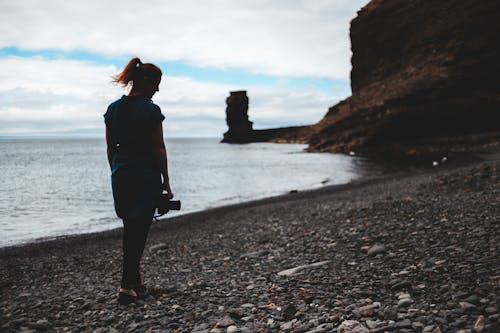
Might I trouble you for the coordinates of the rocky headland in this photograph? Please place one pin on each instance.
(424, 80)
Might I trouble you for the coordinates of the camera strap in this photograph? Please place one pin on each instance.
(155, 217)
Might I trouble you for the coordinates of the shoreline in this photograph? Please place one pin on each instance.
(293, 194)
(410, 167)
(408, 253)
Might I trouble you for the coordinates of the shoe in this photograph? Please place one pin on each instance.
(125, 298)
(141, 291)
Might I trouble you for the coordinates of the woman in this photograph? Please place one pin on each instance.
(138, 161)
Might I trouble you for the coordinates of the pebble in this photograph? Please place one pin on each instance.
(322, 328)
(428, 328)
(490, 310)
(352, 326)
(479, 324)
(296, 270)
(287, 326)
(473, 299)
(403, 324)
(372, 323)
(41, 324)
(159, 246)
(467, 306)
(225, 322)
(390, 313)
(247, 306)
(377, 249)
(402, 296)
(289, 312)
(405, 302)
(232, 329)
(368, 310)
(254, 255)
(401, 285)
(200, 327)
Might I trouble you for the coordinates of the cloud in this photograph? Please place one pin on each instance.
(280, 37)
(42, 95)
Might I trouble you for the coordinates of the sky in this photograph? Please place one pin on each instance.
(57, 58)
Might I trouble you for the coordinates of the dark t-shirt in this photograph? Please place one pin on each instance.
(131, 121)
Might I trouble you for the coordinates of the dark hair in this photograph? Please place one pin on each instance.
(137, 73)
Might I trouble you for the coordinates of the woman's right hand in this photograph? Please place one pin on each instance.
(166, 187)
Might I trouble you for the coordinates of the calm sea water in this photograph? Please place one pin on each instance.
(54, 187)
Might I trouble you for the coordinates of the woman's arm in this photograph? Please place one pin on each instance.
(108, 146)
(160, 154)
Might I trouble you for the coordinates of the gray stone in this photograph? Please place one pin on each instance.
(226, 321)
(404, 296)
(289, 312)
(417, 325)
(41, 325)
(288, 325)
(254, 255)
(479, 324)
(232, 329)
(247, 306)
(352, 326)
(403, 324)
(200, 327)
(159, 246)
(474, 299)
(101, 330)
(428, 328)
(401, 285)
(390, 313)
(467, 306)
(404, 302)
(491, 310)
(245, 329)
(372, 323)
(322, 328)
(296, 270)
(376, 249)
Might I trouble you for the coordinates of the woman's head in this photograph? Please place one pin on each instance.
(145, 78)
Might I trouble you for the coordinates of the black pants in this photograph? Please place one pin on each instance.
(135, 233)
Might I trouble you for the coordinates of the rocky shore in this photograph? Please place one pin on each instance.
(409, 253)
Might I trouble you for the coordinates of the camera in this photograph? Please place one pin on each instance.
(165, 205)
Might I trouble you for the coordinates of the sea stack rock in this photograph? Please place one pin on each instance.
(240, 128)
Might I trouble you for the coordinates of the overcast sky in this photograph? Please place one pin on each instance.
(57, 58)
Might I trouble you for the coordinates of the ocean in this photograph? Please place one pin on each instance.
(55, 187)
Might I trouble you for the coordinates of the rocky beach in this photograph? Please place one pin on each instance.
(410, 252)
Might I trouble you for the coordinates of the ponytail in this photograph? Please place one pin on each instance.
(129, 72)
(137, 73)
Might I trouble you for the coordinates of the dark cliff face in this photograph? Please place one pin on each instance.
(425, 76)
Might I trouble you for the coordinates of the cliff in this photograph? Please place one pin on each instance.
(424, 79)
